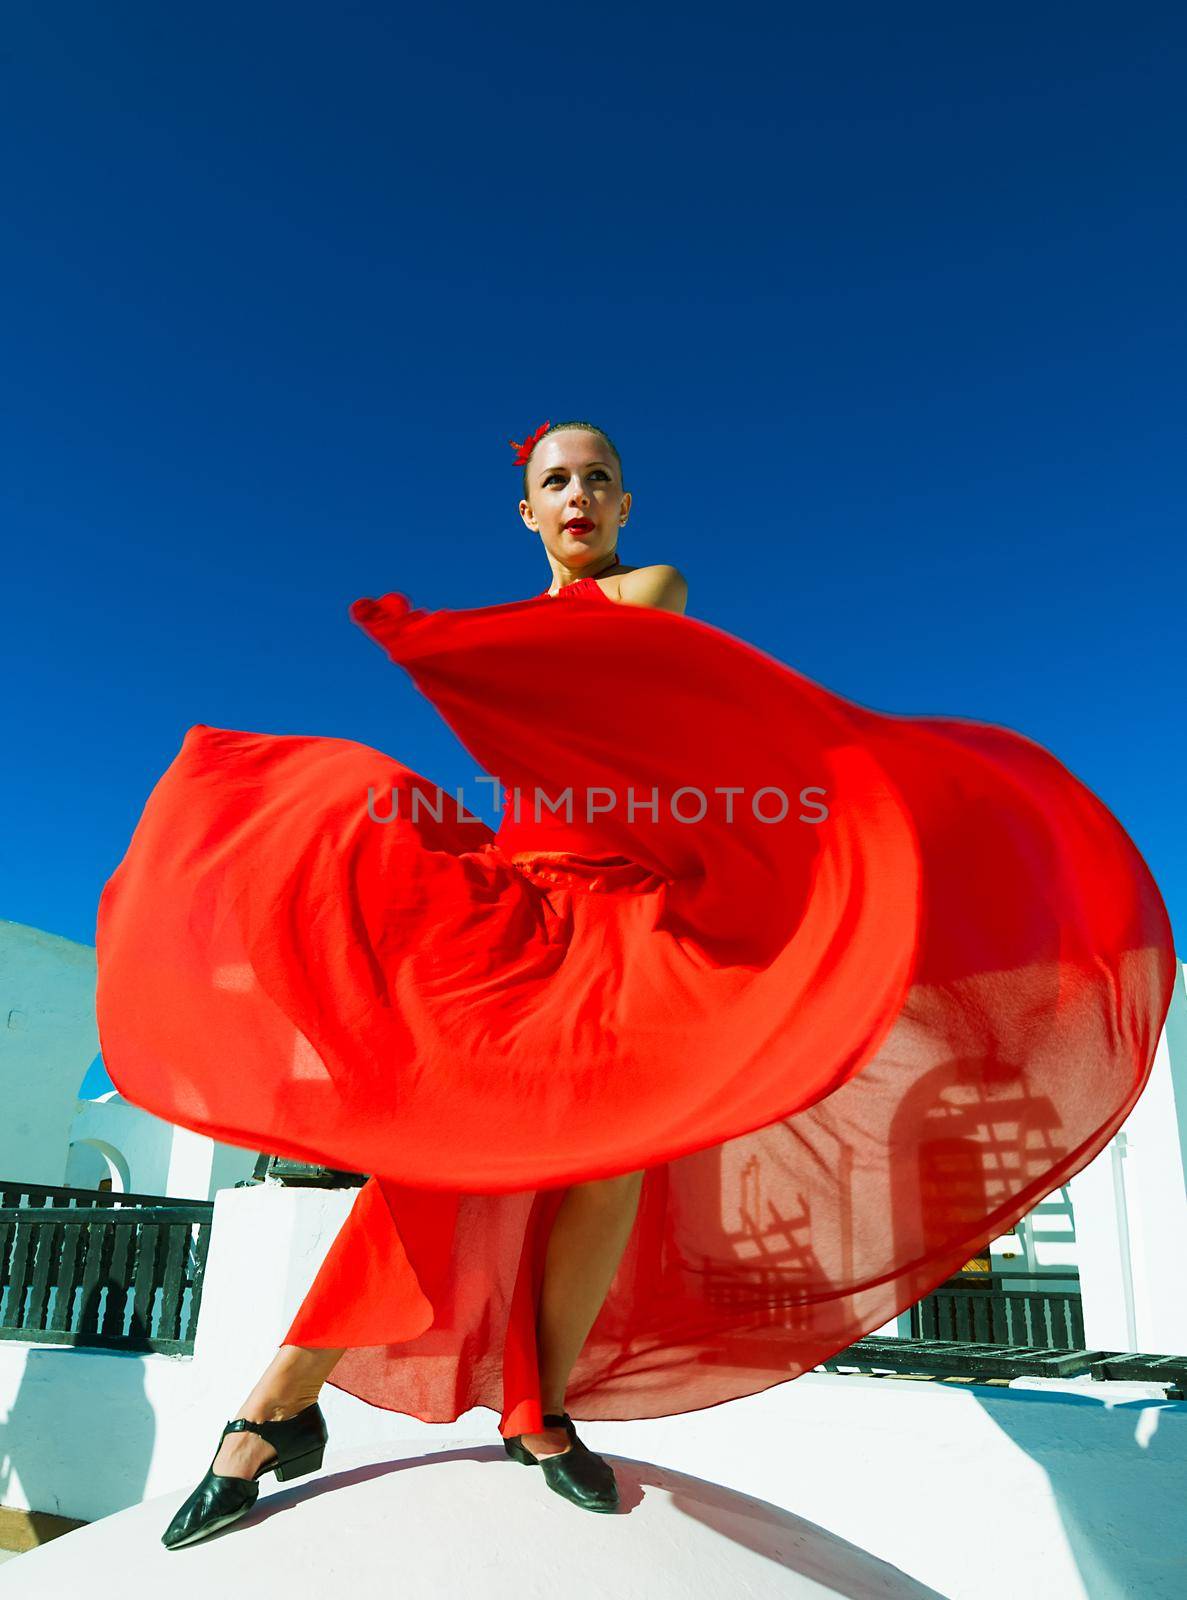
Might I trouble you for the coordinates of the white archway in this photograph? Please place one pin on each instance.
(90, 1161)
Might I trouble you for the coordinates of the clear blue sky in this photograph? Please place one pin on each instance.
(884, 309)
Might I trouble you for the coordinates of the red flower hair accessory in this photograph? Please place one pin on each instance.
(525, 449)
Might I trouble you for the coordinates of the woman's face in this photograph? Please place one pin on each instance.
(573, 475)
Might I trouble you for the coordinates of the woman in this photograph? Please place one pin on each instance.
(665, 1102)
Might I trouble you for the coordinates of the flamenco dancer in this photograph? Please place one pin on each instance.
(758, 1015)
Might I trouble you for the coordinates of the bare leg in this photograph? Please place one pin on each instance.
(589, 1235)
(292, 1381)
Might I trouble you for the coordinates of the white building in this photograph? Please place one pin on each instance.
(47, 1133)
(116, 1145)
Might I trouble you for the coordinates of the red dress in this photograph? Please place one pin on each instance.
(856, 990)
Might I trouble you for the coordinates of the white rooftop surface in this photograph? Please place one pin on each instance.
(466, 1520)
(853, 1486)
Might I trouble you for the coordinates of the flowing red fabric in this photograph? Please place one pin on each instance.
(855, 991)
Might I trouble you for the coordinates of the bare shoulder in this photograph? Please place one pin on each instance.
(660, 585)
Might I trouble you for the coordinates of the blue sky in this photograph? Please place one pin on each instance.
(883, 308)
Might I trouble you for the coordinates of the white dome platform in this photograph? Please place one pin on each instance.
(464, 1520)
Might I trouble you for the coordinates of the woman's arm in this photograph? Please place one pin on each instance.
(661, 586)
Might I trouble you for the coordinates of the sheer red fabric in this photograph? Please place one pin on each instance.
(856, 991)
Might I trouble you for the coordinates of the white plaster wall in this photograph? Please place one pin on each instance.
(158, 1157)
(1131, 1212)
(143, 1141)
(48, 1039)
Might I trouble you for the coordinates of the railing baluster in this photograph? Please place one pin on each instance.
(177, 1241)
(22, 1244)
(118, 1278)
(199, 1250)
(146, 1278)
(68, 1274)
(46, 1246)
(6, 1237)
(94, 1273)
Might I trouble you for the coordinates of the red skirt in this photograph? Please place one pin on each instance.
(855, 991)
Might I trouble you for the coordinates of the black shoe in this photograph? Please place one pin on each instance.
(577, 1473)
(299, 1442)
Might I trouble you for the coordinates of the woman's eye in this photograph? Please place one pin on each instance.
(596, 473)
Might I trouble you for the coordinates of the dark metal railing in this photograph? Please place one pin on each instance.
(980, 1307)
(13, 1193)
(1000, 1363)
(987, 1308)
(992, 1327)
(101, 1268)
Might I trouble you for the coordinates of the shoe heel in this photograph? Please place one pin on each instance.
(517, 1452)
(298, 1466)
